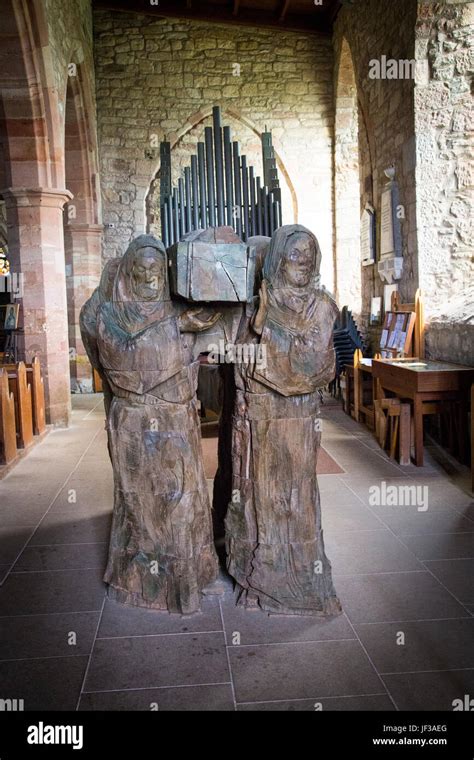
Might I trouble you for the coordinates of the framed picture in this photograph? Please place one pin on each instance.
(376, 310)
(11, 316)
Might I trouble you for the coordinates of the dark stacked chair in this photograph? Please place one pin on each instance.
(347, 339)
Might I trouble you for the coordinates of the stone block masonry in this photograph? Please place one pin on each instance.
(372, 29)
(159, 78)
(444, 114)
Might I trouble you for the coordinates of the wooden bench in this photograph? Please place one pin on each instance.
(22, 390)
(37, 389)
(393, 418)
(35, 382)
(8, 449)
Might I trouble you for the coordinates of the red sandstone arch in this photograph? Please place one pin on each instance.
(29, 116)
(82, 231)
(32, 136)
(80, 145)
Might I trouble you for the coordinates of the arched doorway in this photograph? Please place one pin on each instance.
(34, 194)
(82, 231)
(347, 258)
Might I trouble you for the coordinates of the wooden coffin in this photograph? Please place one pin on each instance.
(204, 271)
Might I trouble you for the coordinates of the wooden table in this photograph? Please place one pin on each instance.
(424, 381)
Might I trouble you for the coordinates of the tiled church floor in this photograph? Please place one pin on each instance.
(397, 571)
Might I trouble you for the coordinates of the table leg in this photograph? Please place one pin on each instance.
(357, 391)
(348, 393)
(472, 437)
(404, 448)
(418, 423)
(463, 411)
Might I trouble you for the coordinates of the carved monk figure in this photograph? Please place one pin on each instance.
(161, 551)
(273, 526)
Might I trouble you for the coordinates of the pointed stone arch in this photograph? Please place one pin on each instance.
(31, 134)
(347, 259)
(195, 120)
(82, 216)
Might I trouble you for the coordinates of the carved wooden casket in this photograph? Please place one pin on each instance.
(203, 268)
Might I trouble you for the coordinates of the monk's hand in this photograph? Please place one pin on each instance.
(259, 318)
(190, 321)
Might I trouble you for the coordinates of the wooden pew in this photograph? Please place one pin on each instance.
(8, 450)
(35, 381)
(37, 390)
(21, 389)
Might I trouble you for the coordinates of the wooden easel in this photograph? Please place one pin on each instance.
(386, 415)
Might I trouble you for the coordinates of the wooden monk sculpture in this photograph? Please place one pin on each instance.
(274, 539)
(161, 552)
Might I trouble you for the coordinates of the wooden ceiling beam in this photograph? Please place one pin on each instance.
(314, 23)
(334, 10)
(284, 10)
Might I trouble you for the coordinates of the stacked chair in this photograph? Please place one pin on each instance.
(347, 339)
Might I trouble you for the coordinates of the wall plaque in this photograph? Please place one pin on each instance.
(367, 235)
(391, 261)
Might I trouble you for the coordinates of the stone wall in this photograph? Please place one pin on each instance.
(70, 38)
(444, 119)
(372, 29)
(347, 126)
(161, 77)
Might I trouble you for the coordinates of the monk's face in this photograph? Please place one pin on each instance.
(148, 274)
(298, 264)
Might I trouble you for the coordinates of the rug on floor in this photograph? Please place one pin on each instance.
(326, 464)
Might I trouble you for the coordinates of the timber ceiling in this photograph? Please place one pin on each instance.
(286, 15)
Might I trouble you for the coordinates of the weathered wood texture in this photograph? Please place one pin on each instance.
(21, 390)
(274, 538)
(161, 551)
(222, 489)
(212, 270)
(8, 450)
(33, 372)
(34, 380)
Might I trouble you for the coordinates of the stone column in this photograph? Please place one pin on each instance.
(36, 251)
(82, 245)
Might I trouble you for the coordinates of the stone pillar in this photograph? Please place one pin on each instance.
(36, 251)
(82, 245)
